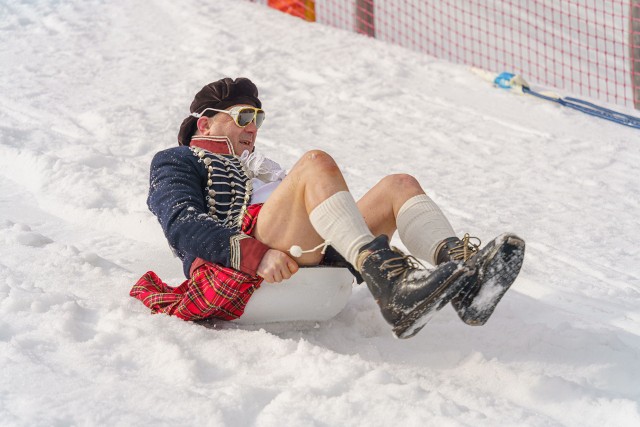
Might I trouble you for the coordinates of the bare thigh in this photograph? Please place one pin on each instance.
(284, 218)
(283, 221)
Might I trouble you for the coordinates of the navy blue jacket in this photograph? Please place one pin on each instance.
(178, 198)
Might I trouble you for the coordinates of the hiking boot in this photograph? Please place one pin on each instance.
(495, 268)
(408, 295)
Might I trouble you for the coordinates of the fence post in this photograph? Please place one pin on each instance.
(364, 18)
(634, 50)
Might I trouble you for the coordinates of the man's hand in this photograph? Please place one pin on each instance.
(276, 266)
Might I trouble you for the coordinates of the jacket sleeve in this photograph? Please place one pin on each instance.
(175, 197)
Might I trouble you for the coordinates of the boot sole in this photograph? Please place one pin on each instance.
(494, 280)
(417, 318)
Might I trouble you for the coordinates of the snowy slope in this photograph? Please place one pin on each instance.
(91, 90)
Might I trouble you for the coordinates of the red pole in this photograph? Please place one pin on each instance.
(365, 23)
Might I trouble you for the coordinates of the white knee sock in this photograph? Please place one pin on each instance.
(422, 226)
(338, 220)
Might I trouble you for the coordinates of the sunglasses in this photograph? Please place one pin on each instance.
(241, 115)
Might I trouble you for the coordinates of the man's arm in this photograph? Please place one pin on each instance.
(175, 197)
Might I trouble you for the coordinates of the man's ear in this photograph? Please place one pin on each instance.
(203, 123)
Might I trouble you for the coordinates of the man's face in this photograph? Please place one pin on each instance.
(242, 138)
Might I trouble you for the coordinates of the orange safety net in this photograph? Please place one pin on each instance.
(305, 9)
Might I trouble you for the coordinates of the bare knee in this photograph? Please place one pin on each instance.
(318, 161)
(317, 177)
(401, 183)
(318, 156)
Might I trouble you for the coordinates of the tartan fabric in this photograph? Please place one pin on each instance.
(250, 218)
(211, 291)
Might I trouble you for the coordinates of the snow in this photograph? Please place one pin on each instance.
(91, 90)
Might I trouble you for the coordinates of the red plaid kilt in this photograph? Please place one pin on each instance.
(212, 290)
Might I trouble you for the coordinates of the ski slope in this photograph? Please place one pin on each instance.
(91, 90)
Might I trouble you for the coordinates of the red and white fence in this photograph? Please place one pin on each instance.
(582, 47)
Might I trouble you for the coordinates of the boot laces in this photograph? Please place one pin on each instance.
(467, 247)
(400, 265)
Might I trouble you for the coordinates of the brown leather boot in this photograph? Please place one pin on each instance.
(495, 268)
(408, 295)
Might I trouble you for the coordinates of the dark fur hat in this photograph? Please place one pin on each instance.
(219, 95)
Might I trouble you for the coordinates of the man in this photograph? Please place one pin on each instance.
(208, 193)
